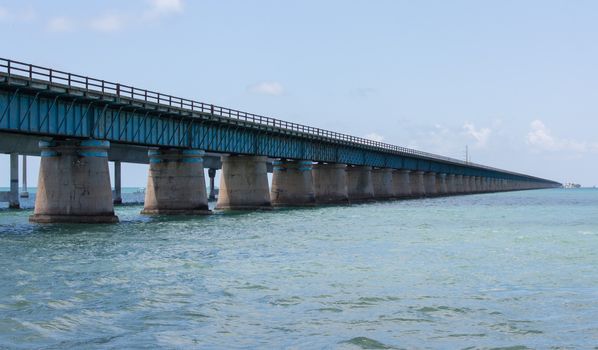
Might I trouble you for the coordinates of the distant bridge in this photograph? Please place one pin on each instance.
(38, 103)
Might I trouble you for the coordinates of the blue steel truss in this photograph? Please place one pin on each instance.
(40, 101)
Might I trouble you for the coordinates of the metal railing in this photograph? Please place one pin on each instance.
(32, 72)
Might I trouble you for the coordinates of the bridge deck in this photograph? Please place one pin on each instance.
(41, 101)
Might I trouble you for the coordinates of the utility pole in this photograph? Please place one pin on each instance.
(466, 153)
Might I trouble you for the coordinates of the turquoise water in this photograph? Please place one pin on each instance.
(508, 270)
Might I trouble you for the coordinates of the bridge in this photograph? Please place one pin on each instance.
(78, 123)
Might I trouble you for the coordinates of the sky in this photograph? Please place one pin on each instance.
(515, 81)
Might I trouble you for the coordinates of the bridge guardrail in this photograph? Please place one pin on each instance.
(34, 72)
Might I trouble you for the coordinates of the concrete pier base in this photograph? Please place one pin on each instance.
(486, 184)
(13, 195)
(469, 182)
(430, 184)
(442, 186)
(478, 184)
(495, 186)
(24, 191)
(74, 183)
(330, 183)
(382, 181)
(359, 184)
(243, 183)
(175, 183)
(401, 181)
(418, 186)
(118, 198)
(292, 183)
(451, 184)
(212, 176)
(459, 184)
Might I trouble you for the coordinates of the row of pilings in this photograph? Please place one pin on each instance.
(74, 183)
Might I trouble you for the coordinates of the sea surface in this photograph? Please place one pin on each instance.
(492, 271)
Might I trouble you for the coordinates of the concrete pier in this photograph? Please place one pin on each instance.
(451, 184)
(292, 183)
(24, 190)
(359, 184)
(471, 184)
(74, 183)
(243, 183)
(486, 184)
(330, 183)
(480, 184)
(175, 183)
(460, 181)
(430, 184)
(212, 176)
(442, 186)
(13, 197)
(382, 180)
(118, 197)
(401, 181)
(496, 185)
(418, 186)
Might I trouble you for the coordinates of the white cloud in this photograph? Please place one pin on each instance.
(438, 139)
(481, 135)
(540, 138)
(160, 8)
(60, 24)
(374, 137)
(363, 92)
(26, 14)
(107, 23)
(272, 88)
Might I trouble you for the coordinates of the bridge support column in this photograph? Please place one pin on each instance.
(118, 199)
(430, 184)
(401, 181)
(74, 183)
(473, 184)
(466, 184)
(418, 186)
(451, 184)
(243, 183)
(486, 184)
(359, 183)
(442, 186)
(382, 180)
(175, 183)
(13, 196)
(460, 181)
(292, 183)
(24, 191)
(477, 184)
(508, 185)
(495, 185)
(330, 183)
(212, 176)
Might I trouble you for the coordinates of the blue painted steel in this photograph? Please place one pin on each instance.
(93, 154)
(48, 154)
(95, 143)
(64, 105)
(192, 160)
(185, 156)
(193, 152)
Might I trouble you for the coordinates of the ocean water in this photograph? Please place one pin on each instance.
(508, 270)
